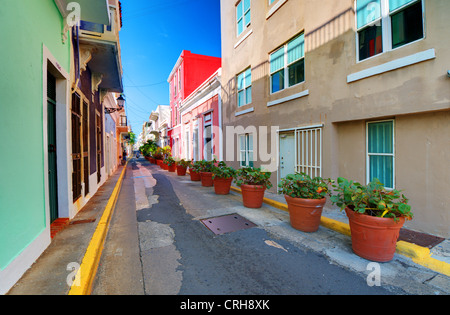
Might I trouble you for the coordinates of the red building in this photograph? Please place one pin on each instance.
(190, 71)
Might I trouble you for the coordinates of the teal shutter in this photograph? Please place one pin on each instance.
(395, 4)
(277, 60)
(295, 49)
(367, 11)
(381, 152)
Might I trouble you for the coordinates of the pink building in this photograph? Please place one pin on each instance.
(201, 118)
(190, 72)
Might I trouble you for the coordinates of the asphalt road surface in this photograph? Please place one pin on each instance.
(157, 245)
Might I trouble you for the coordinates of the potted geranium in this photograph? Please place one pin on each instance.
(194, 171)
(206, 168)
(182, 166)
(253, 183)
(375, 214)
(171, 164)
(305, 197)
(222, 177)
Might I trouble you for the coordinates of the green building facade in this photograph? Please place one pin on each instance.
(33, 57)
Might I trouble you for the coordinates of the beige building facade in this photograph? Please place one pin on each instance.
(357, 89)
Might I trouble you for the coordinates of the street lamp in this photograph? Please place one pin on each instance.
(120, 103)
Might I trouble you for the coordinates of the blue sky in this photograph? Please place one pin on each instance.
(153, 35)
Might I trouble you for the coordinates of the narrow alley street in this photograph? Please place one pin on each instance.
(157, 245)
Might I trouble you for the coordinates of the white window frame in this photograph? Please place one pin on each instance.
(286, 66)
(381, 154)
(244, 25)
(386, 27)
(246, 86)
(247, 150)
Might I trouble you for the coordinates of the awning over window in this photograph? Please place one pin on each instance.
(95, 11)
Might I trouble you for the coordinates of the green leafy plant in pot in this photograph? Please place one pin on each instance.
(182, 166)
(206, 168)
(305, 197)
(171, 164)
(222, 176)
(376, 215)
(194, 171)
(253, 183)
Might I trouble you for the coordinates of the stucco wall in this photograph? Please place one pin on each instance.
(328, 98)
(27, 26)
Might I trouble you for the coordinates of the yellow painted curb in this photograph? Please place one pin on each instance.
(420, 255)
(85, 275)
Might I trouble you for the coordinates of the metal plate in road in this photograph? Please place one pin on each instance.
(227, 224)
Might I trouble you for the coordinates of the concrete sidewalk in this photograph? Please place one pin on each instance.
(49, 274)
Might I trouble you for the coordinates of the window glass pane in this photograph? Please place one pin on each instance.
(278, 81)
(242, 142)
(380, 137)
(297, 72)
(246, 5)
(250, 159)
(395, 4)
(250, 142)
(295, 48)
(248, 95)
(240, 81)
(382, 167)
(367, 11)
(370, 41)
(240, 26)
(239, 11)
(243, 160)
(248, 77)
(247, 18)
(241, 98)
(407, 25)
(277, 60)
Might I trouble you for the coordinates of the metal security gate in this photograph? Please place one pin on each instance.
(86, 147)
(308, 153)
(76, 146)
(51, 139)
(300, 151)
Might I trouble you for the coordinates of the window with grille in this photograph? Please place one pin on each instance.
(76, 146)
(308, 151)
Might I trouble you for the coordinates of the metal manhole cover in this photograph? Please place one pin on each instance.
(227, 224)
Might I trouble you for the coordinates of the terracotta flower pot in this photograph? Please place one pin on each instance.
(195, 177)
(164, 166)
(374, 238)
(181, 170)
(305, 214)
(253, 195)
(158, 162)
(172, 168)
(222, 185)
(206, 178)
